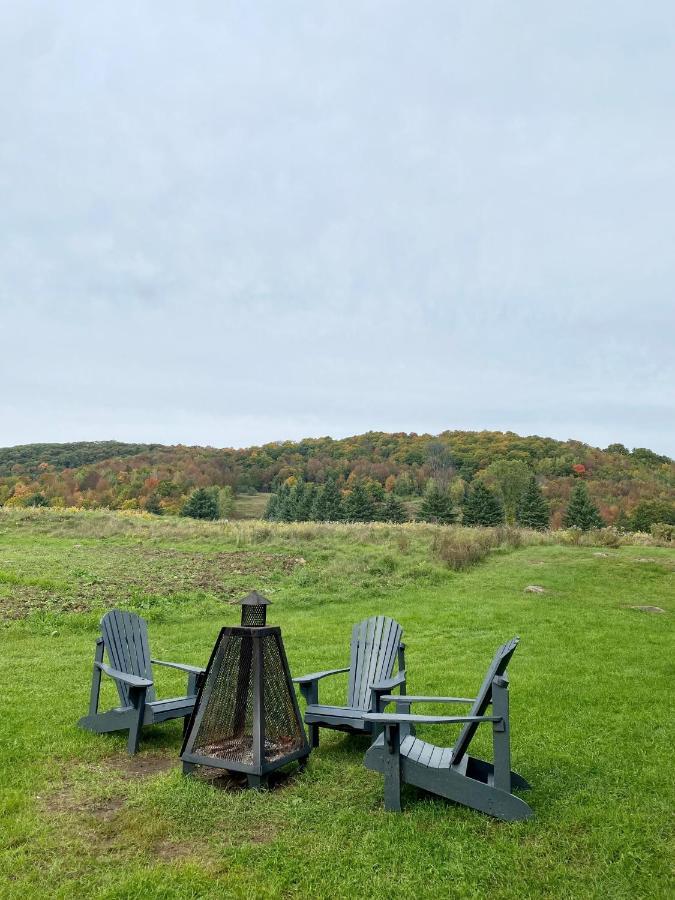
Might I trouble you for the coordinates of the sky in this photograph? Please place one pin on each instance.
(233, 223)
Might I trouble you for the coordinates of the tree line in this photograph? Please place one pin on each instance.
(162, 479)
(480, 506)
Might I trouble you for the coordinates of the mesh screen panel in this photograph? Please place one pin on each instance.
(283, 731)
(226, 727)
(253, 616)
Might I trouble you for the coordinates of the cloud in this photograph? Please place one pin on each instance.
(242, 223)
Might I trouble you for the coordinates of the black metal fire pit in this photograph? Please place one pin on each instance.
(246, 717)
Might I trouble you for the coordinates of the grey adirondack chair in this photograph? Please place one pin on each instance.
(451, 772)
(125, 637)
(375, 648)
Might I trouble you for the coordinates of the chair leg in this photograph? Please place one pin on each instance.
(137, 698)
(392, 768)
(501, 739)
(313, 736)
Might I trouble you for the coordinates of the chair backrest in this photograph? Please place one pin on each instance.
(374, 648)
(484, 697)
(125, 636)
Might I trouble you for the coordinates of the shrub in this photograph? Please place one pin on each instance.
(460, 548)
(662, 531)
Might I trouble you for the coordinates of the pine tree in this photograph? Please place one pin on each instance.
(302, 497)
(272, 508)
(437, 505)
(533, 509)
(581, 511)
(201, 505)
(358, 507)
(392, 510)
(482, 507)
(327, 506)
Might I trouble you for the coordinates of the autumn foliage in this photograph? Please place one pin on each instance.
(156, 477)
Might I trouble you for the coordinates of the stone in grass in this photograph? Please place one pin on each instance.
(649, 609)
(535, 589)
(600, 553)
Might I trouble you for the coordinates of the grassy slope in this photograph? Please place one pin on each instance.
(590, 700)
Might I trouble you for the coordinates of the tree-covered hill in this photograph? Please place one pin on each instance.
(121, 475)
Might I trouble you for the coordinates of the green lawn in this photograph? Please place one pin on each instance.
(591, 699)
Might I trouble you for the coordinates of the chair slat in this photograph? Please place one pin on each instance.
(426, 754)
(445, 758)
(111, 628)
(484, 696)
(391, 654)
(370, 669)
(356, 662)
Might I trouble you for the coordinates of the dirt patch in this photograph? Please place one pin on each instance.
(67, 801)
(648, 609)
(87, 577)
(144, 766)
(534, 589)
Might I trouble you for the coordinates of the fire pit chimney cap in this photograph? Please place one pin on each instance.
(255, 599)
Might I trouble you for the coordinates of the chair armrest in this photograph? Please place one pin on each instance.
(401, 718)
(316, 676)
(195, 670)
(411, 698)
(131, 680)
(388, 683)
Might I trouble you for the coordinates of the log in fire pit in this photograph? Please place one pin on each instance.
(246, 717)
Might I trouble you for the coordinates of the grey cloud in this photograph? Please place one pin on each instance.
(242, 222)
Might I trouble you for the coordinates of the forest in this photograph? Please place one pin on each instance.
(381, 467)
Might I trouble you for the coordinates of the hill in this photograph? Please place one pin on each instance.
(118, 475)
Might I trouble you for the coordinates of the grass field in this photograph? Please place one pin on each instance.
(591, 698)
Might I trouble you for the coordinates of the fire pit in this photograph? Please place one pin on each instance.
(246, 717)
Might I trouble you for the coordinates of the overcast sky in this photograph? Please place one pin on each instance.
(231, 223)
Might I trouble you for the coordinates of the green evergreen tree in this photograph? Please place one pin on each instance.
(327, 505)
(437, 505)
(392, 510)
(581, 511)
(225, 501)
(533, 508)
(302, 497)
(287, 498)
(482, 507)
(272, 508)
(152, 505)
(358, 507)
(201, 505)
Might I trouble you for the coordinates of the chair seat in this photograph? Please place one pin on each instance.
(332, 715)
(174, 708)
(173, 703)
(417, 750)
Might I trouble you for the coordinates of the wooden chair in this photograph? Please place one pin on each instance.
(125, 636)
(375, 648)
(451, 772)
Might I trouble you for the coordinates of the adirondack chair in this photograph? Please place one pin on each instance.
(125, 636)
(451, 772)
(375, 648)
